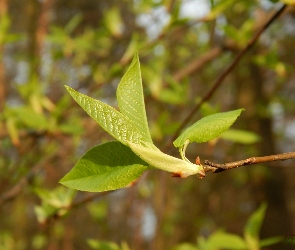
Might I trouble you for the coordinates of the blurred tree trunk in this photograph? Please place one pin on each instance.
(37, 31)
(33, 9)
(269, 188)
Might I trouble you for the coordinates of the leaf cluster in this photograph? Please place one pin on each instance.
(116, 164)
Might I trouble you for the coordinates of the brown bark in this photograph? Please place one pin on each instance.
(37, 31)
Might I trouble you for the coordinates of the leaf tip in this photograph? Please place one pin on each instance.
(68, 88)
(241, 110)
(135, 60)
(136, 54)
(62, 181)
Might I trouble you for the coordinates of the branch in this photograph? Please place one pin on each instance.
(14, 191)
(75, 204)
(217, 168)
(221, 78)
(88, 198)
(196, 64)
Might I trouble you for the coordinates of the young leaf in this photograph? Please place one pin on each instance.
(208, 128)
(158, 159)
(131, 100)
(107, 166)
(107, 117)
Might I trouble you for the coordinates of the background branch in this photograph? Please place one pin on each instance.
(196, 64)
(221, 78)
(87, 198)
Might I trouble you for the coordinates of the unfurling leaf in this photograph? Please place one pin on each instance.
(157, 159)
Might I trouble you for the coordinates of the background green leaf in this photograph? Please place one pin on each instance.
(29, 117)
(102, 245)
(107, 166)
(131, 100)
(240, 136)
(270, 241)
(219, 8)
(253, 226)
(113, 21)
(254, 223)
(223, 240)
(208, 127)
(107, 117)
(185, 246)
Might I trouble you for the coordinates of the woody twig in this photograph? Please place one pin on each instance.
(217, 168)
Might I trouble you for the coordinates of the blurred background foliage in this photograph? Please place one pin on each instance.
(184, 45)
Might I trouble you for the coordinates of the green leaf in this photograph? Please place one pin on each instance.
(174, 92)
(288, 2)
(107, 166)
(113, 21)
(271, 241)
(222, 240)
(102, 245)
(13, 130)
(131, 100)
(43, 212)
(253, 226)
(240, 136)
(208, 128)
(30, 118)
(185, 246)
(255, 221)
(219, 8)
(58, 198)
(72, 24)
(54, 201)
(158, 159)
(111, 120)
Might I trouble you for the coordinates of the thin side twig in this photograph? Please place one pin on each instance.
(74, 205)
(14, 191)
(217, 168)
(230, 67)
(196, 64)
